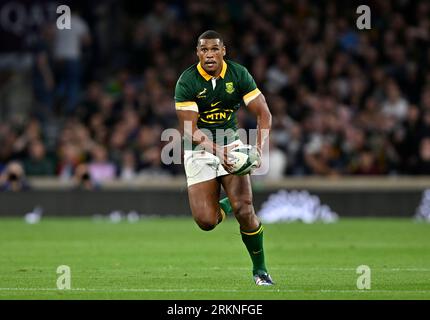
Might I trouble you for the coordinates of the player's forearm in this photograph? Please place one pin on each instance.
(264, 124)
(188, 121)
(198, 137)
(259, 108)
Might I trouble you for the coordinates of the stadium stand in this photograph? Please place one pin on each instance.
(344, 101)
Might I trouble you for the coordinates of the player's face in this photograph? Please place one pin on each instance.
(211, 53)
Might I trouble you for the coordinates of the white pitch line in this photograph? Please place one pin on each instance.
(326, 269)
(28, 274)
(214, 290)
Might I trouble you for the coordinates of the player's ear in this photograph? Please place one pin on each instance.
(223, 51)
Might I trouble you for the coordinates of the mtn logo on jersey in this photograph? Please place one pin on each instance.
(216, 116)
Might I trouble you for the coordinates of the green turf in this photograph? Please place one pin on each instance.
(171, 258)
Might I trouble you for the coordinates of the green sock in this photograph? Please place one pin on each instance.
(225, 205)
(254, 243)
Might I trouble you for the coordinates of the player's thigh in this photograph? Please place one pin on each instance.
(203, 198)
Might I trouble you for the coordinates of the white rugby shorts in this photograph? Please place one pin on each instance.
(201, 165)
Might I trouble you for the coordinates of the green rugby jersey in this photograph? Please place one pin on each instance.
(216, 100)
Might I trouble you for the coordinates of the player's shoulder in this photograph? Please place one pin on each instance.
(236, 68)
(189, 73)
(235, 65)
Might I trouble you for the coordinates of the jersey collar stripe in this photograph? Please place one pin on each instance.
(247, 98)
(207, 76)
(224, 69)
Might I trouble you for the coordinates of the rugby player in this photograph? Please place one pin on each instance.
(207, 97)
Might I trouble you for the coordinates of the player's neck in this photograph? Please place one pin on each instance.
(215, 74)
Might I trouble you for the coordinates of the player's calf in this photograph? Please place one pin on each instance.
(244, 213)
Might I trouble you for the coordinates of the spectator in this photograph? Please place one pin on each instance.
(152, 165)
(322, 158)
(13, 178)
(43, 73)
(37, 163)
(277, 75)
(69, 158)
(406, 140)
(83, 179)
(423, 165)
(68, 59)
(275, 161)
(32, 132)
(128, 169)
(395, 105)
(366, 164)
(294, 151)
(100, 168)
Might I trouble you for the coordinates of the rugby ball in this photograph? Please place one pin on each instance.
(244, 158)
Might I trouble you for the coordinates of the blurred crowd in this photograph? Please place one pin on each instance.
(344, 101)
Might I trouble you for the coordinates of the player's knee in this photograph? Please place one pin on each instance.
(242, 206)
(206, 224)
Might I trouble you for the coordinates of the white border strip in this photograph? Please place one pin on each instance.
(214, 290)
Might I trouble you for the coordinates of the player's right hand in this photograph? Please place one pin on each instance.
(226, 158)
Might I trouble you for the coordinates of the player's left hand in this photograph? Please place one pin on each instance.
(257, 152)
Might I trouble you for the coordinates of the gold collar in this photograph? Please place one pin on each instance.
(207, 76)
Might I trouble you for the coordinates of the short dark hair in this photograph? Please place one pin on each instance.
(210, 34)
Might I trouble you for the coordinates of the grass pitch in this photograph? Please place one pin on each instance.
(170, 258)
